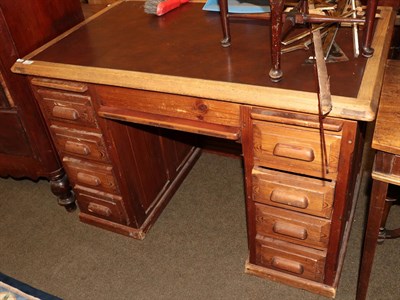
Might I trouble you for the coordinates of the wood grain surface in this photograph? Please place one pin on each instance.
(386, 135)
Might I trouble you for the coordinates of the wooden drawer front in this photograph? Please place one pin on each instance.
(292, 226)
(91, 175)
(102, 205)
(289, 258)
(67, 107)
(171, 105)
(302, 194)
(13, 137)
(387, 165)
(295, 149)
(79, 143)
(203, 116)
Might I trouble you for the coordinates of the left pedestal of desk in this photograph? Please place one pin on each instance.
(123, 174)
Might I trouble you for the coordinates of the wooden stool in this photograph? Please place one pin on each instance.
(299, 15)
(386, 172)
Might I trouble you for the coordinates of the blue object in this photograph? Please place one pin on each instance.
(18, 287)
(240, 6)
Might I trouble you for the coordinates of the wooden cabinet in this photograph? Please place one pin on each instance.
(24, 138)
(122, 174)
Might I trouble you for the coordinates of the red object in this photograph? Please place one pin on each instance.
(168, 5)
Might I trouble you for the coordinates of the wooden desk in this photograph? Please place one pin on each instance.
(111, 94)
(386, 168)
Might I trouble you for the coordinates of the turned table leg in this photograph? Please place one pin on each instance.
(276, 29)
(375, 215)
(367, 51)
(60, 187)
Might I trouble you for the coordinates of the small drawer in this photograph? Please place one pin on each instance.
(91, 175)
(292, 226)
(101, 205)
(296, 149)
(290, 258)
(289, 191)
(83, 144)
(386, 167)
(67, 107)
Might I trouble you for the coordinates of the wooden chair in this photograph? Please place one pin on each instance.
(385, 174)
(299, 16)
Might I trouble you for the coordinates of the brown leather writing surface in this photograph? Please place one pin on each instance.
(186, 42)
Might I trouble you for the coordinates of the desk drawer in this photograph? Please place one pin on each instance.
(292, 226)
(289, 191)
(79, 143)
(289, 258)
(92, 175)
(387, 167)
(191, 114)
(295, 149)
(67, 107)
(101, 205)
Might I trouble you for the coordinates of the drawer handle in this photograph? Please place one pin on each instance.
(65, 113)
(99, 209)
(291, 230)
(287, 265)
(77, 148)
(295, 152)
(289, 198)
(88, 179)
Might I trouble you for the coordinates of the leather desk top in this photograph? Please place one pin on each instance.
(181, 53)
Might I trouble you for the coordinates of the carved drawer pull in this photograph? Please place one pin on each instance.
(295, 152)
(77, 148)
(287, 265)
(289, 198)
(65, 113)
(99, 209)
(88, 179)
(294, 231)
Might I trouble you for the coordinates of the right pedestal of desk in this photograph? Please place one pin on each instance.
(300, 184)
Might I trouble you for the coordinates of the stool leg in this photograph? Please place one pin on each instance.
(276, 29)
(367, 51)
(375, 214)
(223, 13)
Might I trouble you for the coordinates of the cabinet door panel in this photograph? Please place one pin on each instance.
(13, 139)
(4, 101)
(25, 145)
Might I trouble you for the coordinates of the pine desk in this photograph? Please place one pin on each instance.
(125, 94)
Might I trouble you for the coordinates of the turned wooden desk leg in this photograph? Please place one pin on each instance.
(375, 214)
(276, 29)
(223, 7)
(367, 51)
(60, 187)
